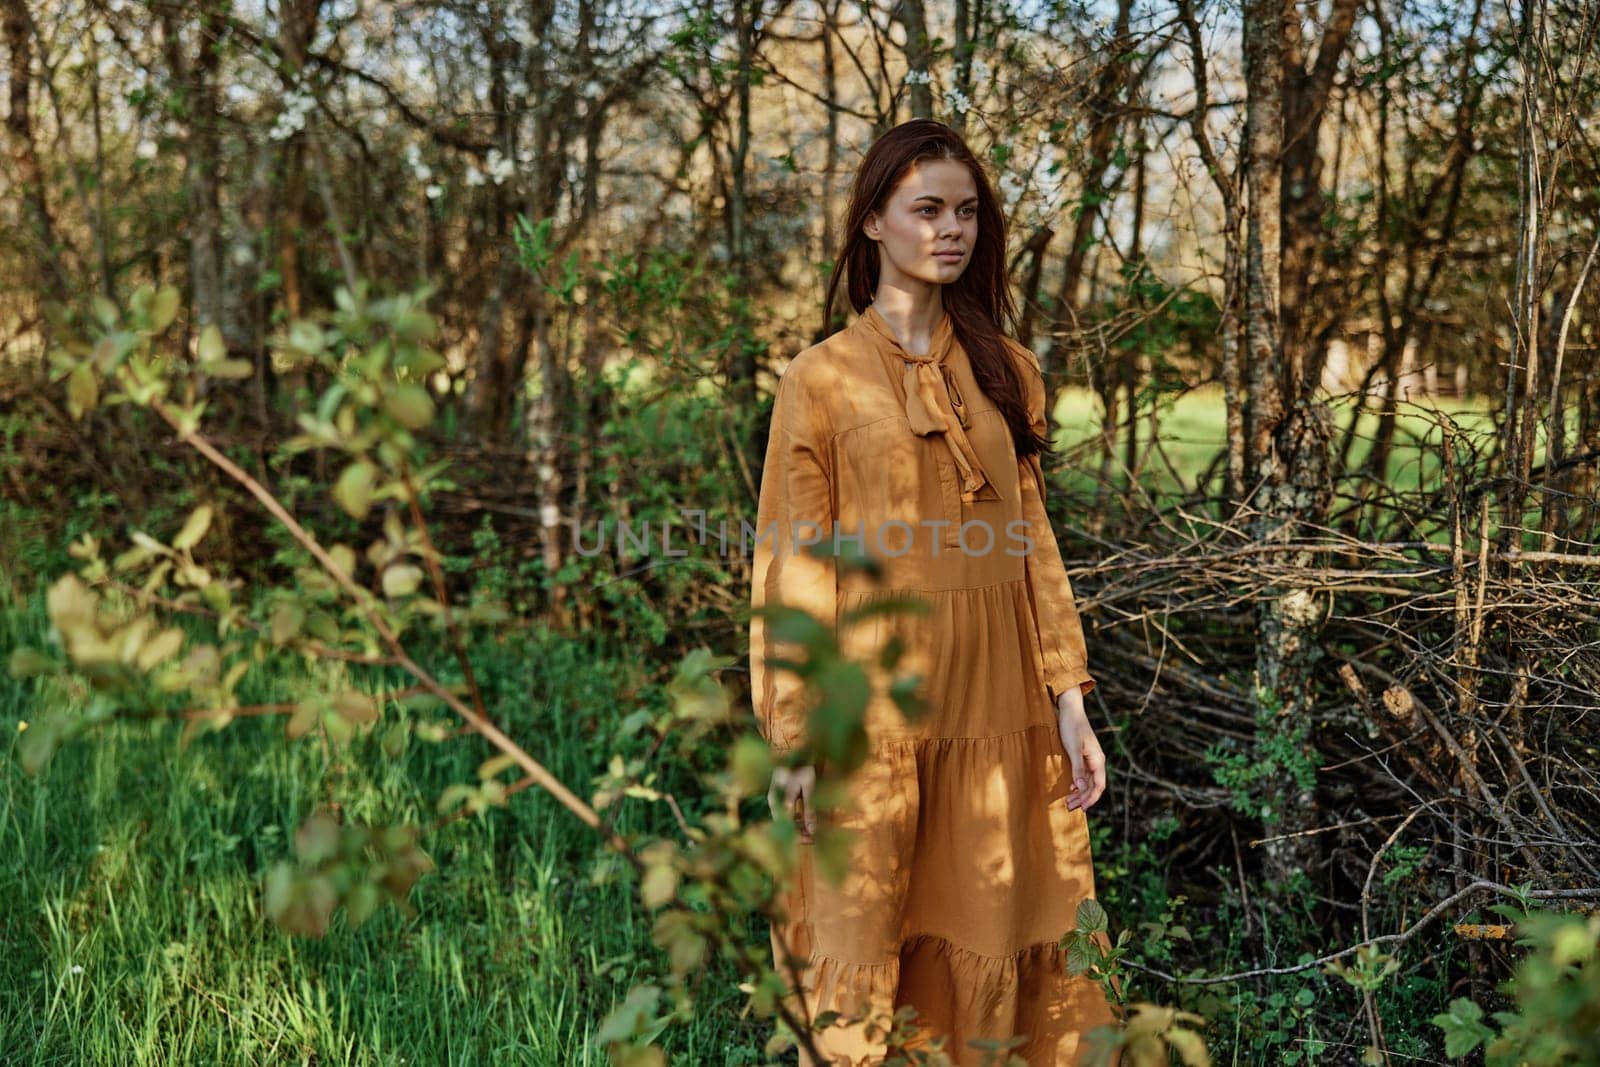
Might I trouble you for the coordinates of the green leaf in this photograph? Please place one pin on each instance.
(160, 648)
(302, 906)
(629, 1017)
(453, 795)
(1081, 956)
(354, 489)
(233, 369)
(415, 324)
(401, 579)
(1571, 943)
(344, 558)
(762, 846)
(139, 302)
(83, 391)
(72, 607)
(1091, 916)
(1462, 1011)
(420, 363)
(658, 885)
(30, 663)
(406, 865)
(362, 902)
(163, 308)
(328, 405)
(306, 714)
(280, 888)
(422, 702)
(193, 530)
(287, 620)
(40, 740)
(685, 946)
(1191, 1047)
(104, 310)
(137, 556)
(306, 337)
(1463, 1027)
(211, 348)
(338, 728)
(791, 625)
(395, 738)
(494, 765)
(186, 417)
(1458, 1043)
(411, 406)
(110, 350)
(321, 625)
(750, 764)
(317, 839)
(356, 708)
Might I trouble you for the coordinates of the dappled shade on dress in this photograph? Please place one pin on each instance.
(966, 865)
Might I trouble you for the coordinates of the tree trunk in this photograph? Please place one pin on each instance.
(1230, 324)
(17, 27)
(1106, 112)
(202, 167)
(919, 56)
(1305, 95)
(1287, 435)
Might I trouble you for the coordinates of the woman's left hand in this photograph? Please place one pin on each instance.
(1083, 748)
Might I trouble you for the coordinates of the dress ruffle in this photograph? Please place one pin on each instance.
(960, 997)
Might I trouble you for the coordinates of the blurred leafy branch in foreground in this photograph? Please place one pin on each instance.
(1555, 989)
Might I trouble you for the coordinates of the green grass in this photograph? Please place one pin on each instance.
(131, 921)
(1192, 429)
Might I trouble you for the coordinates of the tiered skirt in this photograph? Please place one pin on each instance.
(965, 867)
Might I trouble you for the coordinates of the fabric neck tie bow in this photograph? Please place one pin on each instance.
(934, 403)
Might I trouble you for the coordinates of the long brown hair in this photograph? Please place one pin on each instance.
(979, 302)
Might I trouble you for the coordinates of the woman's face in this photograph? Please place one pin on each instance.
(932, 211)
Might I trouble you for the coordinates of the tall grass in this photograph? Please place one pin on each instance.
(131, 921)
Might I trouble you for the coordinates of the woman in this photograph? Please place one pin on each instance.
(920, 427)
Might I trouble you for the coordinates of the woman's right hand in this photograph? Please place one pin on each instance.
(795, 784)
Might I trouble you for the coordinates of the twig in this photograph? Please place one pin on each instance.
(363, 600)
(1382, 939)
(430, 556)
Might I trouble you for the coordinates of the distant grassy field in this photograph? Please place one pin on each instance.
(1192, 429)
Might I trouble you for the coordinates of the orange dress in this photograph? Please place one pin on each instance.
(966, 866)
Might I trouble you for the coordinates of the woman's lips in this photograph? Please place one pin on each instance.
(952, 256)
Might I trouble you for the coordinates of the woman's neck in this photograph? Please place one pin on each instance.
(912, 312)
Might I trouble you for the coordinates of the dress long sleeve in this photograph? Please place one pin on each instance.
(1061, 637)
(795, 507)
